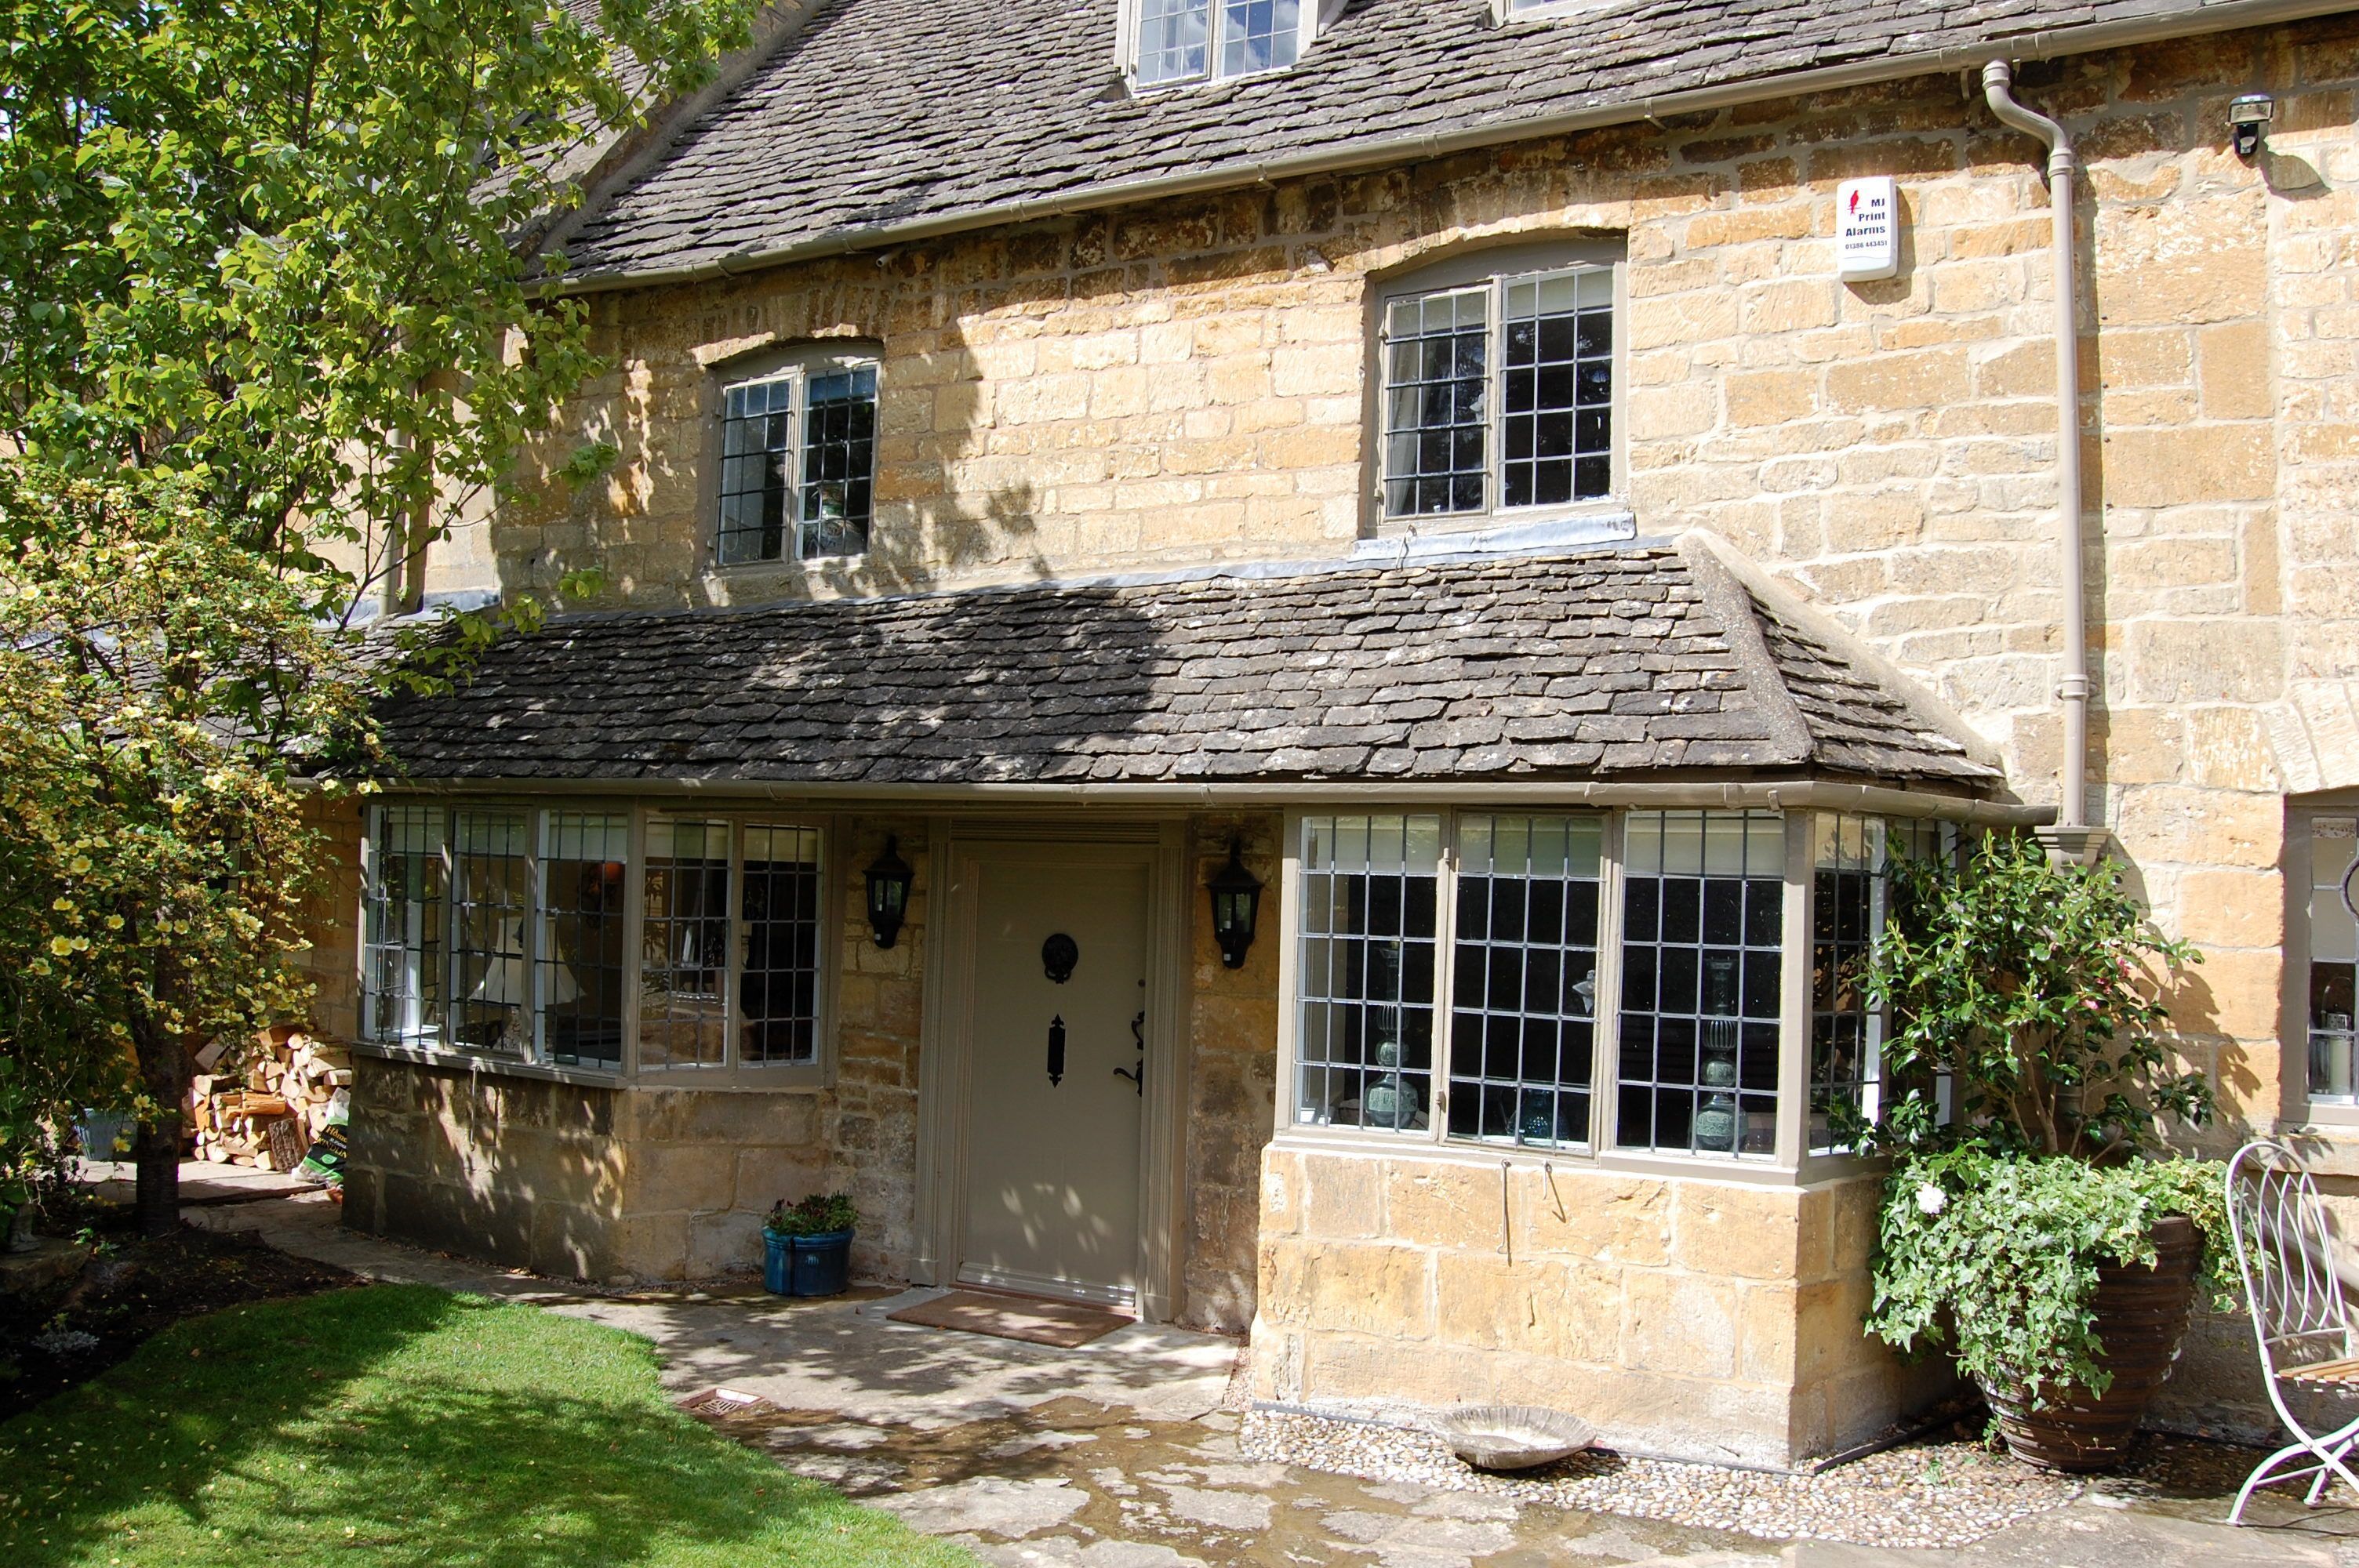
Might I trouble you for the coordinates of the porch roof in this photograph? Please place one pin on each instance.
(1649, 659)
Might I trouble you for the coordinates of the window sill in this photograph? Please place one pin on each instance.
(714, 1080)
(1378, 1143)
(488, 1067)
(765, 582)
(1413, 539)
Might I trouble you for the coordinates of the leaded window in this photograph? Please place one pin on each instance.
(1194, 40)
(1703, 917)
(779, 989)
(491, 897)
(2333, 865)
(511, 931)
(684, 935)
(1365, 1032)
(584, 871)
(402, 933)
(1498, 395)
(1524, 978)
(797, 463)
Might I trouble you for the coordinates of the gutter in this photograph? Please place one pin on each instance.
(1802, 794)
(2221, 16)
(2071, 838)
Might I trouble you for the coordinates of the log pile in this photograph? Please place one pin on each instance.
(268, 1110)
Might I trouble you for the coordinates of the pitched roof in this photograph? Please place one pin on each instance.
(1649, 658)
(881, 112)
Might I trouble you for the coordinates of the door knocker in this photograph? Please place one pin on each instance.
(1058, 954)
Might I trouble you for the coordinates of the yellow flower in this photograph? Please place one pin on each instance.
(62, 945)
(115, 922)
(80, 864)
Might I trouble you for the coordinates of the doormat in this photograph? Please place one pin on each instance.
(1065, 1325)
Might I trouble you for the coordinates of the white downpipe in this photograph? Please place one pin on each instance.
(2072, 686)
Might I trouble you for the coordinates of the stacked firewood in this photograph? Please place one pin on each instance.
(270, 1102)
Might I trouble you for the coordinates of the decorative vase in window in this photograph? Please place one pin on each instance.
(1389, 1103)
(1716, 1122)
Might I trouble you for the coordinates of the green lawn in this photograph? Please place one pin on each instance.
(395, 1426)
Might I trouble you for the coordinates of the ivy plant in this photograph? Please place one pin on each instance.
(2029, 1087)
(1995, 1257)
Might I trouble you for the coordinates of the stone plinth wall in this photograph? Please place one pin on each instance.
(1700, 1319)
(524, 1173)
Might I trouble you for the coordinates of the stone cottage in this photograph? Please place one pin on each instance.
(1260, 659)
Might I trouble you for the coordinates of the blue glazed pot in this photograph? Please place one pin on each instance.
(807, 1265)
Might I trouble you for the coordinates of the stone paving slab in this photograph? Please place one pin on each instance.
(1117, 1455)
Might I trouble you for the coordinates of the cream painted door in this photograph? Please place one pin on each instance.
(1052, 1170)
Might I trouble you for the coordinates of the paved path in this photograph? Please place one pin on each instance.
(1120, 1454)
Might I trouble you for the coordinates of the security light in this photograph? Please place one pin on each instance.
(2247, 116)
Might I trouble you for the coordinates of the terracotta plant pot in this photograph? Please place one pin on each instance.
(2141, 1316)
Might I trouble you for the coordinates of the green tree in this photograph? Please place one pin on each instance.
(270, 315)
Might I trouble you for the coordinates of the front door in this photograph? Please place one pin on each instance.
(1052, 1113)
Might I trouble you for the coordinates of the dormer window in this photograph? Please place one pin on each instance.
(1178, 41)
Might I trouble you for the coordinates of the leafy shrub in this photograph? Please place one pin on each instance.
(2028, 987)
(2026, 994)
(1995, 1257)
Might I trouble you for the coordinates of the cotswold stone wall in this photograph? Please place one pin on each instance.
(1231, 1079)
(1186, 383)
(1710, 1320)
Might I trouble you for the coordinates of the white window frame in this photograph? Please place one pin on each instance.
(1791, 1159)
(1494, 269)
(1312, 19)
(535, 1060)
(2300, 1104)
(794, 367)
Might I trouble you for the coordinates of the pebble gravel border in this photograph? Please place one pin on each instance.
(1944, 1492)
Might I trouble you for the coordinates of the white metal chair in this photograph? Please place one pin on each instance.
(2298, 1315)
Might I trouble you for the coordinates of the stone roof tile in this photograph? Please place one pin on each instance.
(1112, 681)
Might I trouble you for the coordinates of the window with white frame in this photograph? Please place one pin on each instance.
(507, 931)
(1498, 385)
(1703, 955)
(2330, 870)
(1524, 988)
(797, 461)
(1175, 42)
(1851, 904)
(1364, 1044)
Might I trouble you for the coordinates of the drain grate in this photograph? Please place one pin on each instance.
(716, 1403)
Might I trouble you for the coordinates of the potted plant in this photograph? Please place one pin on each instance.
(2033, 1223)
(808, 1245)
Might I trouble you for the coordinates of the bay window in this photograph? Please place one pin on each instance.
(606, 940)
(1607, 984)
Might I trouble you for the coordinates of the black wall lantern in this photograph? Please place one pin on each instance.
(1236, 904)
(889, 878)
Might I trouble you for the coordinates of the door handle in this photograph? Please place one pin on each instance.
(1056, 1049)
(1137, 1076)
